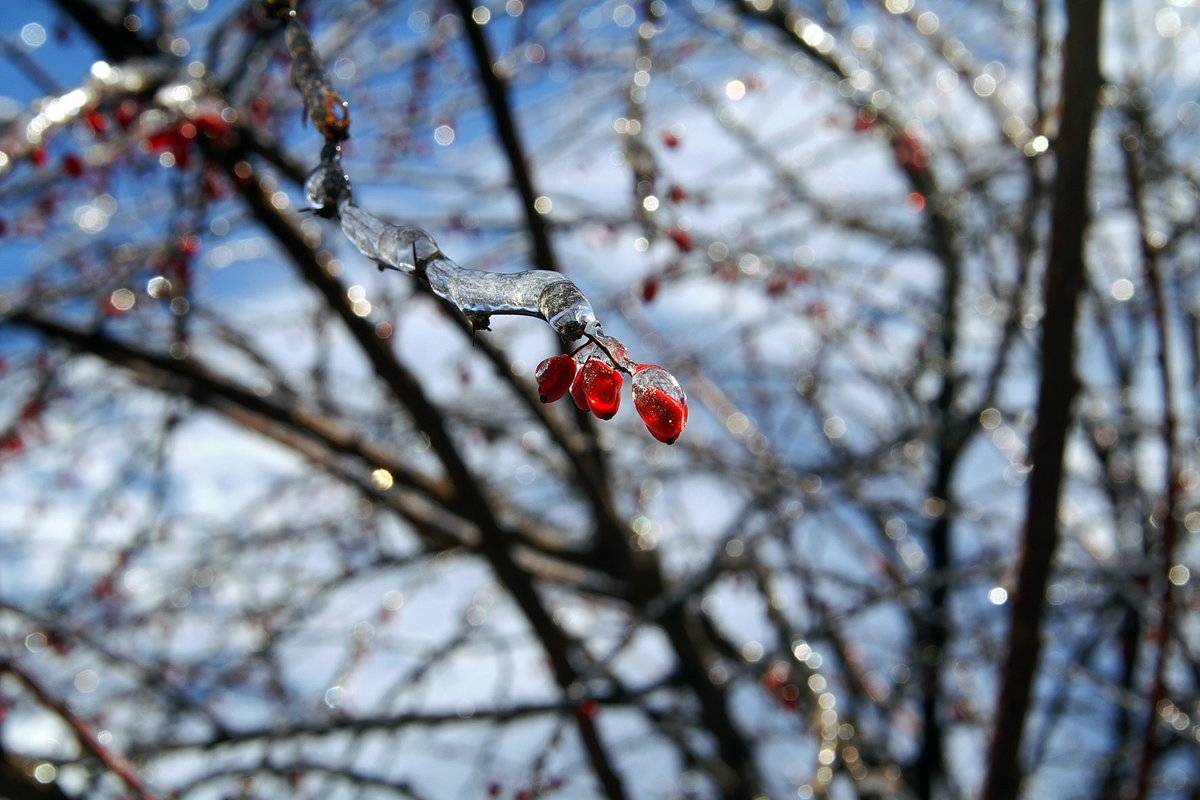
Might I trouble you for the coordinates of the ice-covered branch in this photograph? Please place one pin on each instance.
(592, 373)
(103, 82)
(478, 294)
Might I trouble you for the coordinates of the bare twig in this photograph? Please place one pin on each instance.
(509, 135)
(1161, 634)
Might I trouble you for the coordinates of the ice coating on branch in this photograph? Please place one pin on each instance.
(402, 248)
(478, 294)
(327, 185)
(329, 111)
(617, 353)
(534, 293)
(660, 402)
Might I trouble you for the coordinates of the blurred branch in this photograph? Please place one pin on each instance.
(17, 784)
(1058, 386)
(292, 770)
(506, 129)
(339, 725)
(116, 41)
(85, 734)
(50, 113)
(1165, 513)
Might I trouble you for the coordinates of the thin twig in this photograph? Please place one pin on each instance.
(1161, 634)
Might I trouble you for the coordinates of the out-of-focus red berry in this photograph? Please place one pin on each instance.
(588, 708)
(125, 113)
(97, 122)
(682, 239)
(72, 165)
(650, 288)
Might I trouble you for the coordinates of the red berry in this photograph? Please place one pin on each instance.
(600, 386)
(650, 288)
(581, 356)
(160, 141)
(682, 239)
(864, 120)
(773, 679)
(212, 184)
(670, 138)
(126, 113)
(212, 124)
(577, 394)
(777, 284)
(97, 122)
(911, 153)
(588, 708)
(72, 165)
(189, 245)
(554, 377)
(11, 443)
(660, 402)
(39, 156)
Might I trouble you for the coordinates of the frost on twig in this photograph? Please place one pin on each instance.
(477, 294)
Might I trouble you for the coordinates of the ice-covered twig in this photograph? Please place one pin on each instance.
(103, 82)
(477, 294)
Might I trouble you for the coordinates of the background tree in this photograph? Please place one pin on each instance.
(277, 522)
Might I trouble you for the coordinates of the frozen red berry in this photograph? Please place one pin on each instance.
(660, 402)
(554, 377)
(600, 386)
(578, 395)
